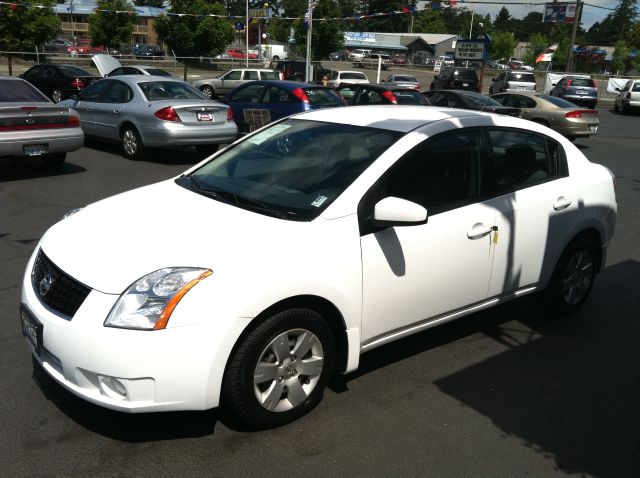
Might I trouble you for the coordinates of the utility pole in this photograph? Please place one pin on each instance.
(308, 73)
(576, 20)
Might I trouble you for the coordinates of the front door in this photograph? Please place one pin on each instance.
(85, 106)
(108, 112)
(417, 273)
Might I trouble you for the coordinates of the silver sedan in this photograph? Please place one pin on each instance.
(152, 111)
(31, 126)
(560, 115)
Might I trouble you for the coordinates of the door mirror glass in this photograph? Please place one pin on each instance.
(393, 211)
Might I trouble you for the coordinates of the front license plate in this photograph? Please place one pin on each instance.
(205, 116)
(31, 329)
(593, 128)
(34, 149)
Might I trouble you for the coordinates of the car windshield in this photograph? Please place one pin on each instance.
(480, 100)
(584, 82)
(323, 97)
(465, 74)
(169, 90)
(410, 79)
(15, 90)
(158, 72)
(353, 76)
(559, 102)
(74, 71)
(524, 77)
(293, 169)
(406, 97)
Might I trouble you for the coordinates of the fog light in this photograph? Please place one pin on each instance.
(112, 387)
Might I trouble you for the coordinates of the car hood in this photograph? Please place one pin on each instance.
(105, 63)
(110, 244)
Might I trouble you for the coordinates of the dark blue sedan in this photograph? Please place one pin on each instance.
(260, 102)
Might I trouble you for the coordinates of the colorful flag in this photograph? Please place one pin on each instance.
(547, 54)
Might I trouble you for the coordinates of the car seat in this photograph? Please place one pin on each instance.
(522, 166)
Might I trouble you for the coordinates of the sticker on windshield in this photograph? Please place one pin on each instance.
(269, 133)
(319, 201)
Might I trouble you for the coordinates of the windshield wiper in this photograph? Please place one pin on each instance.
(233, 198)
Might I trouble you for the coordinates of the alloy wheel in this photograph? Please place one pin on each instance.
(130, 142)
(288, 370)
(577, 277)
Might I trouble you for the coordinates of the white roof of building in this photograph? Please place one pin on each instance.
(430, 38)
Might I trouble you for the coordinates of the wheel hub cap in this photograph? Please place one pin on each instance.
(288, 370)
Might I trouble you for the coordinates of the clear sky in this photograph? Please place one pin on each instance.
(590, 14)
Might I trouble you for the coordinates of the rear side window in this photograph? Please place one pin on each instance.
(250, 94)
(521, 159)
(250, 75)
(14, 90)
(74, 71)
(158, 72)
(559, 102)
(635, 87)
(270, 75)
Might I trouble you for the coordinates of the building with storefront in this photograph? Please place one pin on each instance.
(435, 44)
(74, 18)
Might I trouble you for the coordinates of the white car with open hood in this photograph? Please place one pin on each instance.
(252, 277)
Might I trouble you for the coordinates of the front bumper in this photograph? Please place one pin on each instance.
(178, 368)
(63, 140)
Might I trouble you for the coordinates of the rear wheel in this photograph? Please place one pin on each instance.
(279, 371)
(207, 149)
(572, 278)
(57, 96)
(208, 91)
(132, 146)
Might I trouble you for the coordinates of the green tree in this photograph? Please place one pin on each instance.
(502, 45)
(325, 36)
(150, 3)
(109, 28)
(502, 20)
(24, 29)
(537, 44)
(195, 34)
(622, 61)
(429, 21)
(633, 36)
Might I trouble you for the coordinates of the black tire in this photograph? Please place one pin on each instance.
(268, 403)
(57, 96)
(208, 91)
(207, 149)
(53, 160)
(132, 146)
(572, 278)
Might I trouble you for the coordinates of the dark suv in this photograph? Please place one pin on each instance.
(295, 70)
(452, 78)
(580, 90)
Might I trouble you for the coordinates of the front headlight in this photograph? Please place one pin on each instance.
(147, 304)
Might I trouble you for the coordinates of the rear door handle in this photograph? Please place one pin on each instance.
(561, 203)
(478, 231)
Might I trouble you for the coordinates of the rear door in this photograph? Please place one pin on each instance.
(108, 111)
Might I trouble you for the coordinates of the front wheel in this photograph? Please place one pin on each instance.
(132, 146)
(280, 369)
(208, 91)
(572, 278)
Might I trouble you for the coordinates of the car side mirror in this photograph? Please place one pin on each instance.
(393, 211)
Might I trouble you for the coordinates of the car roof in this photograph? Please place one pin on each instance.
(401, 118)
(283, 83)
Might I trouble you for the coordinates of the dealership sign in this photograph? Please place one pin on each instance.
(471, 50)
(359, 37)
(559, 12)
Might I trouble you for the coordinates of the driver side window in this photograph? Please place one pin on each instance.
(233, 75)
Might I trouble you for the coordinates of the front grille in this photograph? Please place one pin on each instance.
(56, 289)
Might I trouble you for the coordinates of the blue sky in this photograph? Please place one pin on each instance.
(590, 14)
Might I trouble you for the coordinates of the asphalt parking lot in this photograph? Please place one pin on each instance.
(505, 392)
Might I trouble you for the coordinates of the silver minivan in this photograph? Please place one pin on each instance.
(513, 81)
(225, 83)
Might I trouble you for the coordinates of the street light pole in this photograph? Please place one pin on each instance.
(574, 29)
(308, 76)
(73, 30)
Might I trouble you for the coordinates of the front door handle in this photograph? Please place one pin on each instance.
(116, 111)
(561, 203)
(89, 108)
(478, 231)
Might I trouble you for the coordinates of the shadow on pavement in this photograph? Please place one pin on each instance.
(169, 155)
(30, 168)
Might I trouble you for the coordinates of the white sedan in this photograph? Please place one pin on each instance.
(250, 278)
